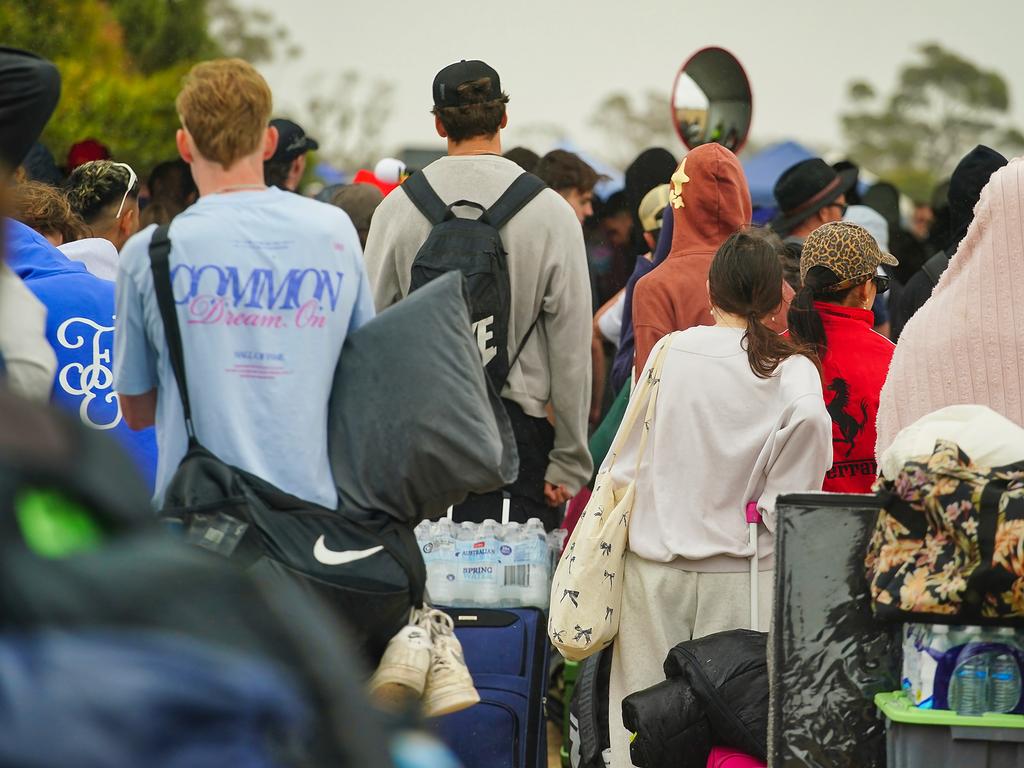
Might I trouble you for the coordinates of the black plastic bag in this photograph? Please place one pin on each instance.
(829, 657)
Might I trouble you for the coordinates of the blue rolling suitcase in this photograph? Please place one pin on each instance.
(507, 653)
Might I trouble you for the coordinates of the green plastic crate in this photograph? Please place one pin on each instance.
(937, 738)
(570, 673)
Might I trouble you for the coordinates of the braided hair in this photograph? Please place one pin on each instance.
(95, 186)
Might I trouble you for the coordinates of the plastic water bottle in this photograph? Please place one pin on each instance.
(969, 688)
(425, 541)
(911, 659)
(488, 585)
(934, 643)
(1004, 673)
(511, 591)
(465, 584)
(537, 590)
(442, 581)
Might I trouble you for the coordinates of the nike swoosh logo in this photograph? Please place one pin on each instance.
(330, 557)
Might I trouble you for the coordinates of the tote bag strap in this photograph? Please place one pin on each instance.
(646, 389)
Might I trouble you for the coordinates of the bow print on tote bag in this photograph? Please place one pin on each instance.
(586, 591)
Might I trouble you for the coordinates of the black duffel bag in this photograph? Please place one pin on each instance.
(716, 694)
(366, 565)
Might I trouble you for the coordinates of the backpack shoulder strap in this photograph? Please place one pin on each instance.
(159, 263)
(513, 200)
(935, 266)
(423, 196)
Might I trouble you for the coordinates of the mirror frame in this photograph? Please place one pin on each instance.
(675, 84)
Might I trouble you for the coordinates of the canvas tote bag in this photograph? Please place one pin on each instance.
(586, 592)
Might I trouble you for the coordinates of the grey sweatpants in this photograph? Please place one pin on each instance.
(663, 606)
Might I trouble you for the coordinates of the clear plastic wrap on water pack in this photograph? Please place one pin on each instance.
(489, 564)
(967, 669)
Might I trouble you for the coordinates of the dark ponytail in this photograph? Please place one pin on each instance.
(805, 323)
(745, 279)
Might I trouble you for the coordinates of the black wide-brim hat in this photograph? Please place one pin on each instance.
(805, 189)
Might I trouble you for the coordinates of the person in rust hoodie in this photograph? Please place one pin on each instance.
(710, 201)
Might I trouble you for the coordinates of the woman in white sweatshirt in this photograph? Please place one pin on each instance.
(740, 417)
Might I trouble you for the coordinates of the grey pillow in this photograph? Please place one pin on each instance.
(414, 424)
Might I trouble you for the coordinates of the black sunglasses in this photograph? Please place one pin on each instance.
(881, 283)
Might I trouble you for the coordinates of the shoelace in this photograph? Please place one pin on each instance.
(440, 623)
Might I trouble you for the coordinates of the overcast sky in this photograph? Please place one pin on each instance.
(558, 58)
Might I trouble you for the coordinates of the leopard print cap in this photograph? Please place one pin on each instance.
(845, 248)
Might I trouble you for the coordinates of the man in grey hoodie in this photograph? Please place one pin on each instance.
(550, 285)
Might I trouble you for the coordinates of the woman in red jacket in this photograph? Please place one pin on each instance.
(838, 271)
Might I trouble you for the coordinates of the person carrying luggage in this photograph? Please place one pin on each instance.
(521, 248)
(741, 418)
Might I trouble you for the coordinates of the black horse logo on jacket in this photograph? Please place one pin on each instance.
(849, 426)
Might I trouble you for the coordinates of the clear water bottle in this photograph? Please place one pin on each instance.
(1004, 673)
(442, 586)
(465, 582)
(425, 541)
(537, 590)
(911, 659)
(969, 688)
(933, 642)
(488, 582)
(511, 591)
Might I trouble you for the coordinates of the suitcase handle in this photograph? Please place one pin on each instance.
(753, 515)
(506, 509)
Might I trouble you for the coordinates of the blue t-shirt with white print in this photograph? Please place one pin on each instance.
(267, 284)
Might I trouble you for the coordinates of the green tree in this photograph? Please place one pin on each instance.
(629, 128)
(122, 61)
(164, 33)
(941, 107)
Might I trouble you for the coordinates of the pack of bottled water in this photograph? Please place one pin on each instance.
(971, 670)
(489, 564)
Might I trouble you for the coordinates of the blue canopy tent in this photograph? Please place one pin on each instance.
(765, 168)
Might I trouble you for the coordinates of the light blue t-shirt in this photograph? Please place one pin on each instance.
(267, 285)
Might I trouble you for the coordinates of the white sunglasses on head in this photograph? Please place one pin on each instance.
(132, 180)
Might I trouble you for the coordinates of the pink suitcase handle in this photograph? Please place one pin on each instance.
(753, 513)
(753, 519)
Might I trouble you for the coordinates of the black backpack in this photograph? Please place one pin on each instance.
(588, 712)
(474, 247)
(366, 566)
(935, 266)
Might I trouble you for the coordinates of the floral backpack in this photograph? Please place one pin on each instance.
(949, 541)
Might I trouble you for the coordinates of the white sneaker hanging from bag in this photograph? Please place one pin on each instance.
(449, 684)
(406, 660)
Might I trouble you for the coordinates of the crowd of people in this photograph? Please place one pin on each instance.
(798, 350)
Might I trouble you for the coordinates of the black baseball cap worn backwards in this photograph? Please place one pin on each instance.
(448, 80)
(292, 141)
